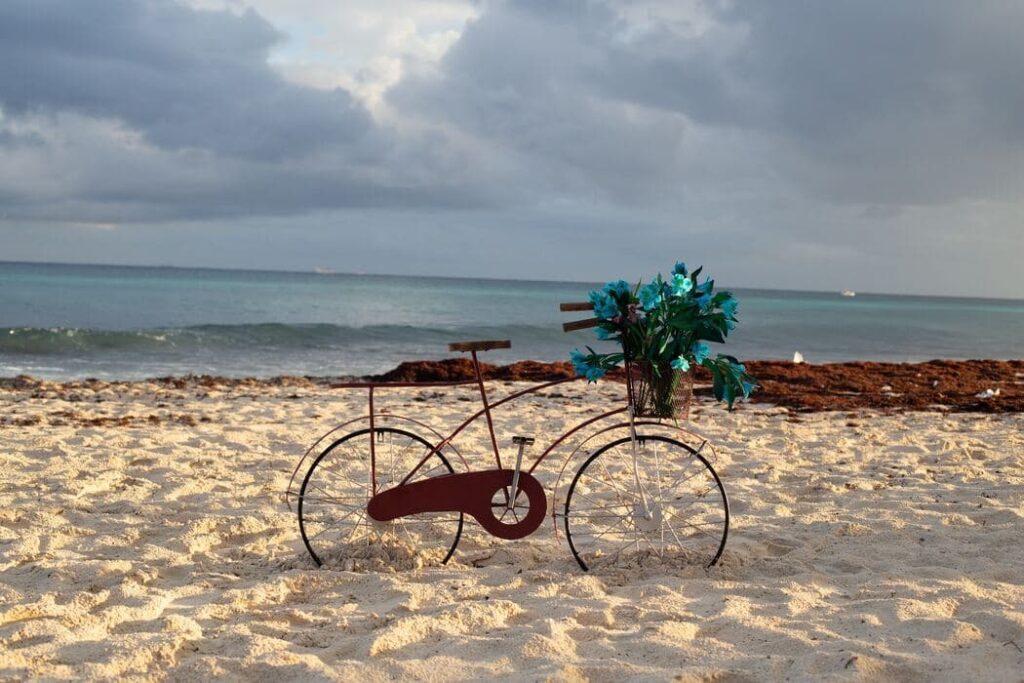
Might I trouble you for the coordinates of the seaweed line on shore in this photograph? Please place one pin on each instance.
(985, 386)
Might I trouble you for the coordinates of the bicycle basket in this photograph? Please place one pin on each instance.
(666, 393)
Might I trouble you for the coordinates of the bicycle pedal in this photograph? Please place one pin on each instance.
(524, 440)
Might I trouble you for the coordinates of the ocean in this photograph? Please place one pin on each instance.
(111, 322)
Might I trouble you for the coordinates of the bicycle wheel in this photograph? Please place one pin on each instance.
(333, 521)
(671, 505)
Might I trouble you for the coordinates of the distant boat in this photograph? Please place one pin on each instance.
(323, 270)
(849, 292)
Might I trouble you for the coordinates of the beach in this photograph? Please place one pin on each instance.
(144, 536)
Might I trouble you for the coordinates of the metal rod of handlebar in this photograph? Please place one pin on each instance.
(487, 408)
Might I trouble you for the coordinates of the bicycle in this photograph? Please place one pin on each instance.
(642, 489)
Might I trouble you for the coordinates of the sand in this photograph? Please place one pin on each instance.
(143, 535)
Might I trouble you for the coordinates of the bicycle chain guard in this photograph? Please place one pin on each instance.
(470, 493)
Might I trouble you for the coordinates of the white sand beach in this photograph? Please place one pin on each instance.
(153, 543)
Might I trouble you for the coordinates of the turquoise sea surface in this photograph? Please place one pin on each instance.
(75, 321)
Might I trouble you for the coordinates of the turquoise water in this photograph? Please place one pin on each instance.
(66, 321)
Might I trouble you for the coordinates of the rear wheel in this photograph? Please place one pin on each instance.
(333, 520)
(671, 504)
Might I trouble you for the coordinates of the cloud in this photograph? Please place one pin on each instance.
(186, 79)
(867, 101)
(862, 102)
(153, 111)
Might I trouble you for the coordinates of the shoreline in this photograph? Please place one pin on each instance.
(982, 386)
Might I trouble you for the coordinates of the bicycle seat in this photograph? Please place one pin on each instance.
(480, 345)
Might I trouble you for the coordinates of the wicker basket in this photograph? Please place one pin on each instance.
(667, 394)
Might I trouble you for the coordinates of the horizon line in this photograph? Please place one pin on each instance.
(313, 271)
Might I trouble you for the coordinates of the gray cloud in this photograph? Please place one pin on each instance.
(185, 78)
(156, 111)
(516, 80)
(868, 101)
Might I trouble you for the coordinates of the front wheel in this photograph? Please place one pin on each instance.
(333, 520)
(652, 497)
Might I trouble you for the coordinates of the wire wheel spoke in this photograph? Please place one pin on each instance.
(333, 521)
(669, 503)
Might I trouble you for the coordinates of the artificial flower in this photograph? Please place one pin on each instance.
(617, 287)
(650, 296)
(700, 352)
(579, 361)
(605, 307)
(681, 285)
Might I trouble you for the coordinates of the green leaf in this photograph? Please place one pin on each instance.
(729, 393)
(711, 334)
(718, 387)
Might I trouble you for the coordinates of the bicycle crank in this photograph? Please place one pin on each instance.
(470, 493)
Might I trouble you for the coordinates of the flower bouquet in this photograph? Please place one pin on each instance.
(662, 327)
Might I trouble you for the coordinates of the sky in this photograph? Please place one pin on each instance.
(864, 144)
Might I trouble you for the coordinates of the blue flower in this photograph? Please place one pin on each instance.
(700, 352)
(681, 285)
(730, 324)
(680, 268)
(704, 300)
(608, 309)
(618, 288)
(747, 388)
(579, 361)
(680, 364)
(729, 307)
(603, 334)
(604, 306)
(650, 296)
